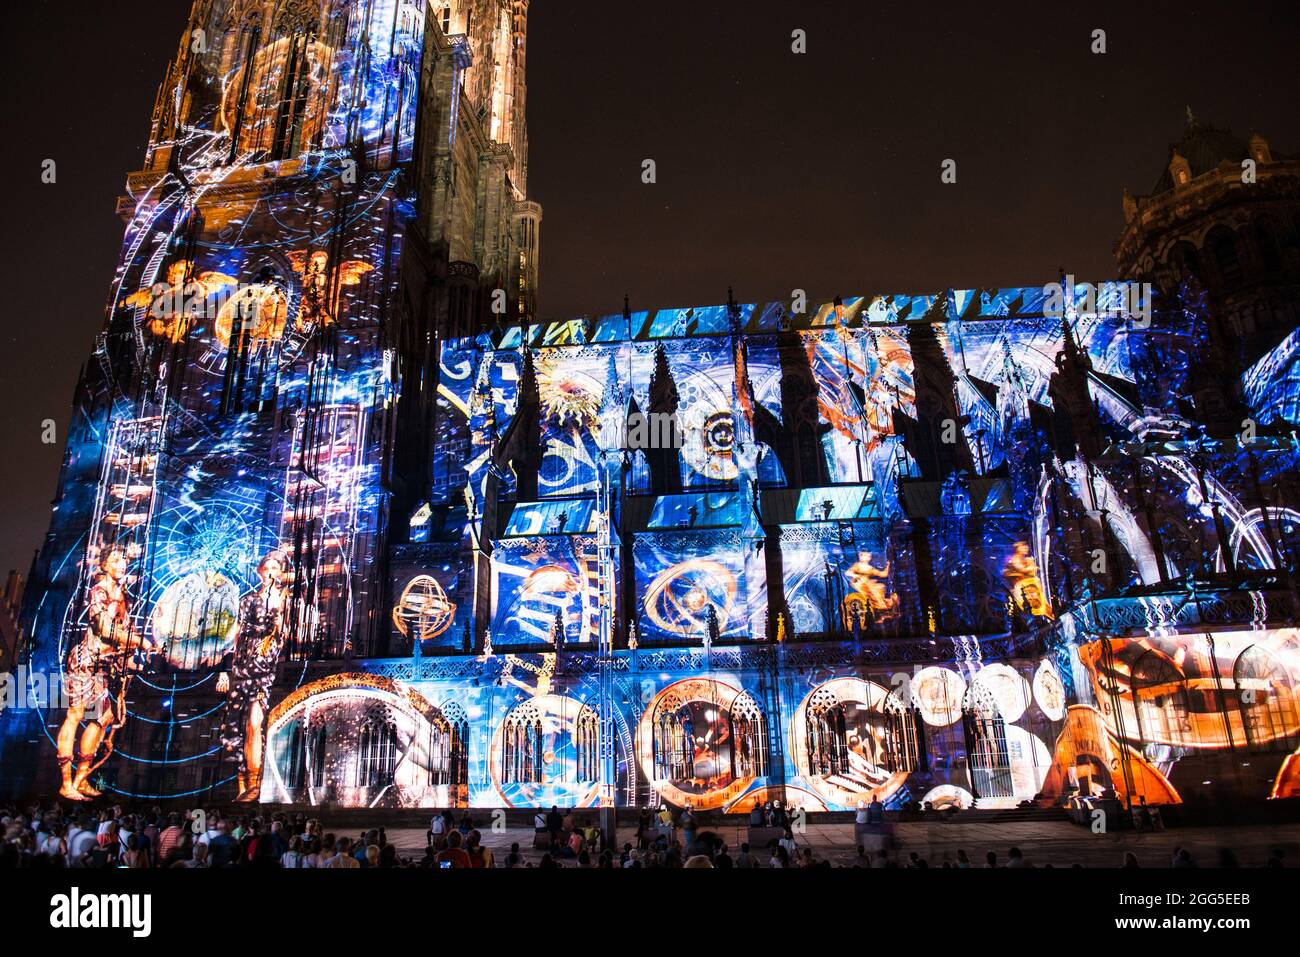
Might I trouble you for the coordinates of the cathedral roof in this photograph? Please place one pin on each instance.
(1204, 147)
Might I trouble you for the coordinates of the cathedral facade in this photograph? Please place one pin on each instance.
(342, 521)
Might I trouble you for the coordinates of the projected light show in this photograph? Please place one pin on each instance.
(342, 521)
(814, 593)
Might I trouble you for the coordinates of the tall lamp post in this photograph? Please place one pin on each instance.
(608, 742)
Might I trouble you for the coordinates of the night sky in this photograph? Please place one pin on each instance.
(776, 171)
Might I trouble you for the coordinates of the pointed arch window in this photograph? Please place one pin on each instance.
(1188, 262)
(523, 746)
(440, 750)
(904, 746)
(377, 753)
(587, 744)
(295, 758)
(1222, 243)
(828, 740)
(674, 750)
(988, 758)
(749, 737)
(318, 738)
(457, 750)
(1266, 240)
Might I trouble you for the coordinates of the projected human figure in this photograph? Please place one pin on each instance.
(258, 640)
(96, 673)
(1021, 574)
(870, 590)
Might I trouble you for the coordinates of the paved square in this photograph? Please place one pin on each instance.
(1058, 843)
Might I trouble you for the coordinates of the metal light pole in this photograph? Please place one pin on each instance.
(608, 743)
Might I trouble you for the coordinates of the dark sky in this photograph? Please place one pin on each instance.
(775, 171)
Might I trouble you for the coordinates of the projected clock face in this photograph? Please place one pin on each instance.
(1049, 691)
(258, 325)
(687, 743)
(1007, 689)
(938, 693)
(258, 306)
(860, 771)
(264, 320)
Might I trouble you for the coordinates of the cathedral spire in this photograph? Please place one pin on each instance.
(663, 387)
(664, 461)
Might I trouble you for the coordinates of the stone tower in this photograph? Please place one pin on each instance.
(329, 189)
(1224, 211)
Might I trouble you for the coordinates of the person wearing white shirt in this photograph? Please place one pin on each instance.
(788, 842)
(75, 831)
(80, 840)
(437, 830)
(53, 845)
(344, 858)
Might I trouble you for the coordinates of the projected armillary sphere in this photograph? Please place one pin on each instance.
(423, 611)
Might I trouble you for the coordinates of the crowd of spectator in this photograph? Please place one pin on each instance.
(122, 836)
(83, 836)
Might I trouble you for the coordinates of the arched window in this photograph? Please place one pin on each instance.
(279, 90)
(318, 739)
(523, 746)
(1222, 244)
(1267, 703)
(828, 740)
(586, 744)
(1160, 700)
(458, 752)
(1269, 256)
(1187, 262)
(809, 452)
(904, 739)
(749, 737)
(439, 750)
(987, 755)
(377, 753)
(674, 746)
(295, 758)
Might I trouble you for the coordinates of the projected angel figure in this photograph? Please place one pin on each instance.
(258, 640)
(174, 304)
(97, 673)
(316, 309)
(870, 589)
(1021, 574)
